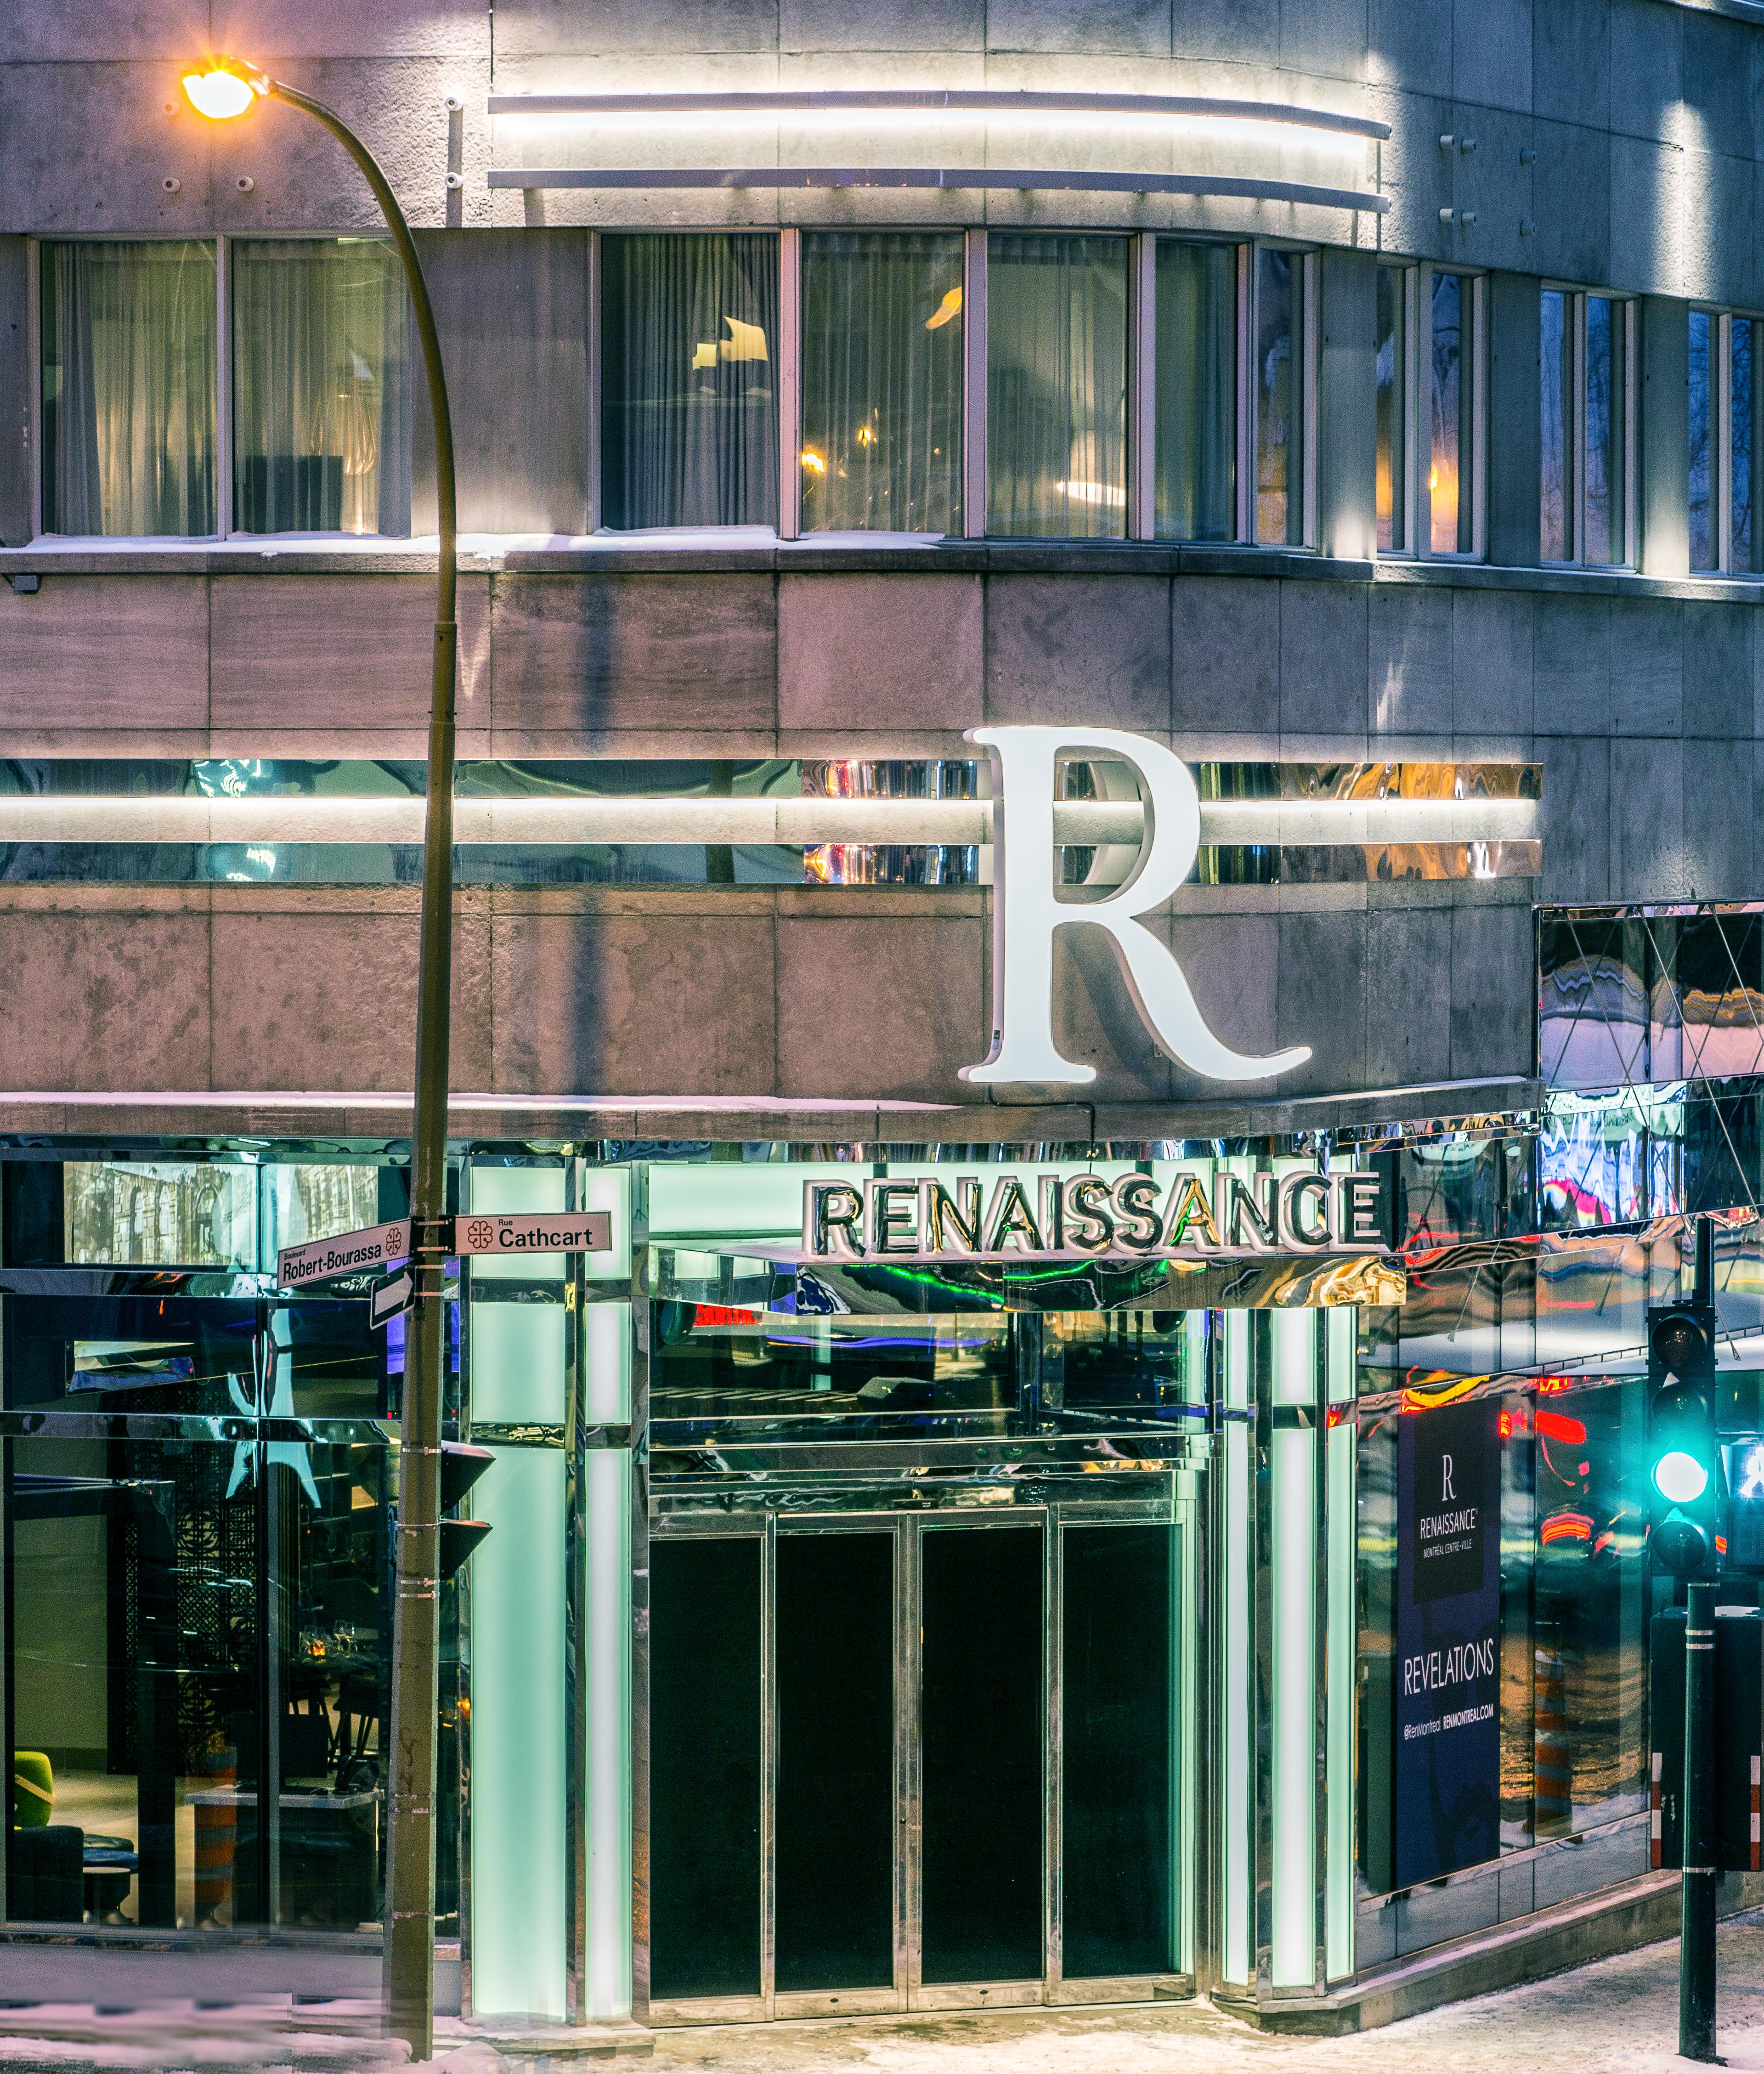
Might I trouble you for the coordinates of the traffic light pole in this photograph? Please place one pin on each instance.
(1696, 1930)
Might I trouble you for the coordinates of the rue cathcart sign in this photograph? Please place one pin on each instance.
(955, 1216)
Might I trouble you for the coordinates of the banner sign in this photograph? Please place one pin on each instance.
(1448, 1742)
(962, 1216)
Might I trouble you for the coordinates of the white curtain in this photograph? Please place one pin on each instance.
(881, 382)
(688, 408)
(129, 388)
(321, 393)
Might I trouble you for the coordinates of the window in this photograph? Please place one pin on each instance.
(1588, 415)
(318, 438)
(1723, 430)
(1391, 378)
(689, 422)
(321, 387)
(1056, 385)
(1428, 387)
(129, 338)
(881, 382)
(1194, 391)
(1277, 387)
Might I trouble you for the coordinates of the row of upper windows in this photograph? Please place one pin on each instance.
(1055, 385)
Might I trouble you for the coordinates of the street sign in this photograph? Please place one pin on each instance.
(566, 1231)
(321, 1259)
(391, 1300)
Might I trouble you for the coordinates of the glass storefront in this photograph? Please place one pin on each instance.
(854, 1635)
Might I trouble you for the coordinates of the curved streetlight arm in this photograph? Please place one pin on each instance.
(409, 1927)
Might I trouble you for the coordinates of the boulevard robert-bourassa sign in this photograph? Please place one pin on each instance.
(957, 1217)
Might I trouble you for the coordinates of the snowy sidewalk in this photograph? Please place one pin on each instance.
(1619, 2016)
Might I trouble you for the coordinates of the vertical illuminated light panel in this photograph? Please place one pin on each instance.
(606, 1663)
(1294, 1651)
(1185, 1755)
(519, 1803)
(1236, 1958)
(1340, 1328)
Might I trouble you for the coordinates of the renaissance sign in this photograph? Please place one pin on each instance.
(1027, 914)
(1083, 1216)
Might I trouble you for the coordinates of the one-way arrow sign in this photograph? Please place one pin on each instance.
(391, 1300)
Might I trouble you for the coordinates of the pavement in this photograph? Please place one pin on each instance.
(1618, 2016)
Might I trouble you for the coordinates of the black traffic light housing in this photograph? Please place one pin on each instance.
(1684, 1456)
(462, 1466)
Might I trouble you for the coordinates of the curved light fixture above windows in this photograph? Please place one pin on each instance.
(1269, 121)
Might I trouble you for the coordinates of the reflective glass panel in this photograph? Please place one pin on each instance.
(1279, 401)
(688, 408)
(129, 388)
(1056, 343)
(1196, 388)
(1702, 414)
(1448, 486)
(1391, 362)
(1556, 514)
(881, 382)
(321, 401)
(1606, 419)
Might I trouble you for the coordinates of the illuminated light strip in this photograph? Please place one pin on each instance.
(1216, 185)
(533, 823)
(932, 100)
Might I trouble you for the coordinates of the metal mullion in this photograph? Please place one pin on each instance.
(1576, 329)
(909, 1698)
(768, 1767)
(1142, 390)
(1053, 1746)
(790, 342)
(1320, 1614)
(223, 387)
(973, 397)
(592, 299)
(1423, 398)
(1479, 415)
(33, 305)
(1261, 1699)
(641, 1327)
(1246, 393)
(1310, 503)
(1721, 429)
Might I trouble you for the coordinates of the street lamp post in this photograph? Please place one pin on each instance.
(222, 89)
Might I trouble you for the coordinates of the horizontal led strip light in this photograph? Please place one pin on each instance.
(863, 100)
(51, 818)
(857, 106)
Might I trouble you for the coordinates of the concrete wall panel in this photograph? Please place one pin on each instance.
(868, 652)
(105, 652)
(1092, 648)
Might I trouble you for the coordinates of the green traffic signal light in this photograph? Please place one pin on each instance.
(1680, 1478)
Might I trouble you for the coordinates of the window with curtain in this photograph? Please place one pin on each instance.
(1606, 426)
(1390, 381)
(321, 393)
(1056, 385)
(881, 382)
(1279, 397)
(1746, 547)
(689, 403)
(1723, 443)
(1194, 385)
(128, 345)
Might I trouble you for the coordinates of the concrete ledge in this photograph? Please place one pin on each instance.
(1643, 1912)
(534, 2047)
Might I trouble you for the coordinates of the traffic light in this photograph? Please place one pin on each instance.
(1683, 1460)
(461, 1467)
